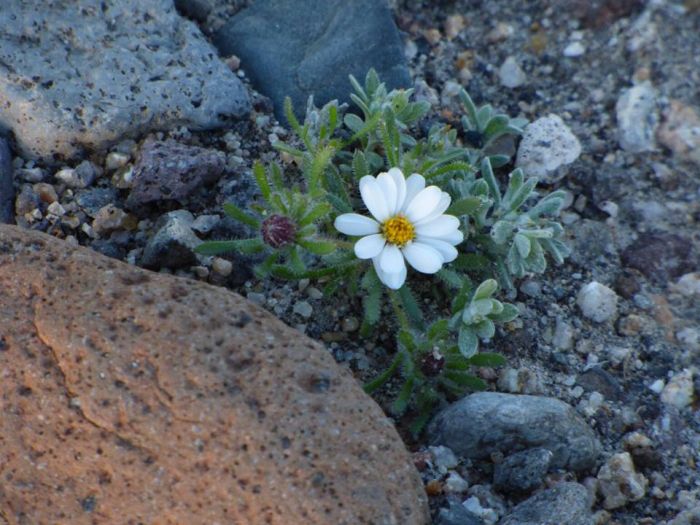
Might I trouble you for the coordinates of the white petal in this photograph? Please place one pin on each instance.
(447, 250)
(454, 238)
(355, 224)
(397, 175)
(444, 203)
(391, 280)
(369, 246)
(391, 260)
(423, 204)
(373, 198)
(388, 186)
(443, 226)
(422, 257)
(414, 184)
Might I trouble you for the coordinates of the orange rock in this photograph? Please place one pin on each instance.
(133, 397)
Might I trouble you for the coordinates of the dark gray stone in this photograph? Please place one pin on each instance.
(298, 48)
(7, 189)
(170, 171)
(195, 9)
(83, 74)
(487, 422)
(456, 514)
(173, 244)
(660, 257)
(598, 380)
(566, 503)
(522, 471)
(93, 200)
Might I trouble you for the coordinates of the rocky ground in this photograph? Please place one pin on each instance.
(613, 333)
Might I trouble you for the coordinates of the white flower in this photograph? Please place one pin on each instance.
(410, 224)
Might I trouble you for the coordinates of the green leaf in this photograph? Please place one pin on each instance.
(470, 107)
(467, 380)
(235, 212)
(410, 305)
(522, 243)
(240, 245)
(353, 122)
(372, 303)
(467, 342)
(502, 231)
(359, 165)
(317, 246)
(490, 178)
(486, 289)
(496, 126)
(261, 178)
(318, 211)
(466, 206)
(487, 359)
(522, 194)
(451, 278)
(508, 313)
(338, 203)
(400, 404)
(438, 330)
(483, 116)
(318, 167)
(485, 330)
(549, 205)
(462, 297)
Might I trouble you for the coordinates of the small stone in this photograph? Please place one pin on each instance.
(657, 386)
(680, 131)
(500, 32)
(678, 392)
(597, 302)
(574, 49)
(350, 324)
(523, 471)
(454, 25)
(56, 209)
(619, 483)
(173, 244)
(547, 144)
(689, 284)
(204, 224)
(81, 176)
(304, 309)
(222, 266)
(443, 458)
(93, 200)
(110, 218)
(563, 335)
(637, 118)
(455, 484)
(116, 160)
(564, 504)
(31, 174)
(257, 298)
(487, 515)
(46, 192)
(661, 257)
(456, 514)
(314, 293)
(511, 74)
(487, 422)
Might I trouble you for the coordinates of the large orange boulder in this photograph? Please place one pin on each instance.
(130, 397)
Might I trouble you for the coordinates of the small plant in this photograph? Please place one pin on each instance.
(434, 207)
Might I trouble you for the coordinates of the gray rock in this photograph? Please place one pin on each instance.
(597, 302)
(195, 9)
(566, 503)
(85, 74)
(660, 257)
(619, 483)
(7, 189)
(522, 471)
(547, 145)
(456, 514)
(298, 48)
(173, 243)
(637, 118)
(82, 176)
(168, 170)
(598, 380)
(92, 200)
(486, 422)
(511, 74)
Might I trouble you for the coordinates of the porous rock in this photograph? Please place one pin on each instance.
(619, 482)
(637, 118)
(565, 503)
(547, 145)
(597, 302)
(309, 47)
(522, 471)
(170, 171)
(486, 422)
(136, 397)
(82, 74)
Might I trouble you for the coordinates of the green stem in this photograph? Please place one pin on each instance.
(398, 310)
(384, 376)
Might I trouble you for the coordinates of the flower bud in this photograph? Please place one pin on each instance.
(278, 230)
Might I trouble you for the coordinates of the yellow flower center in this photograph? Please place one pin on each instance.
(398, 230)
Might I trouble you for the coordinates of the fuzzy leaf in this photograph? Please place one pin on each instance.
(317, 212)
(372, 305)
(245, 246)
(438, 330)
(522, 243)
(486, 289)
(261, 178)
(317, 246)
(487, 359)
(508, 313)
(466, 380)
(468, 342)
(501, 232)
(466, 206)
(400, 404)
(359, 165)
(485, 330)
(490, 178)
(235, 212)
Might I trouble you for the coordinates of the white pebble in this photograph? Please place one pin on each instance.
(679, 390)
(222, 266)
(574, 49)
(511, 74)
(303, 309)
(597, 302)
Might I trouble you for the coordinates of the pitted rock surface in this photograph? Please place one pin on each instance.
(135, 397)
(487, 422)
(82, 74)
(170, 171)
